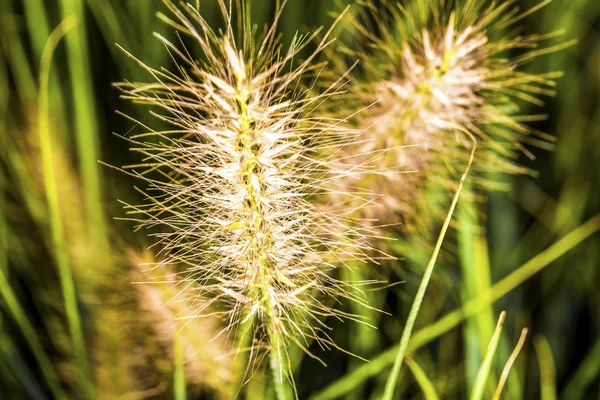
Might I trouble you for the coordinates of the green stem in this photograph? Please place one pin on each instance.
(416, 306)
(547, 368)
(277, 361)
(179, 392)
(486, 366)
(86, 125)
(469, 309)
(58, 237)
(19, 314)
(476, 279)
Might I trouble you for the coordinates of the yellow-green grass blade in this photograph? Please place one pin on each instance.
(422, 337)
(86, 123)
(547, 368)
(421, 377)
(38, 27)
(179, 392)
(476, 279)
(486, 366)
(418, 300)
(13, 361)
(56, 224)
(37, 24)
(12, 46)
(4, 95)
(363, 339)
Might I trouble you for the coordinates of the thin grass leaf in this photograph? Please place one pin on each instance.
(547, 368)
(476, 279)
(486, 366)
(179, 391)
(37, 24)
(16, 56)
(583, 377)
(509, 364)
(56, 225)
(421, 377)
(416, 306)
(425, 335)
(15, 309)
(86, 124)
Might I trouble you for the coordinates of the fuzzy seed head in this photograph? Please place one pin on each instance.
(437, 72)
(230, 184)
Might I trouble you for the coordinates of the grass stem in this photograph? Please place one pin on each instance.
(416, 306)
(56, 224)
(424, 336)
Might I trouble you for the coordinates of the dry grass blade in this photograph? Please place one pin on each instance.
(509, 364)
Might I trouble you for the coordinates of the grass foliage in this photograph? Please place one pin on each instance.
(252, 171)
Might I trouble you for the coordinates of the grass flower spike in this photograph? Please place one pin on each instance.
(230, 184)
(434, 72)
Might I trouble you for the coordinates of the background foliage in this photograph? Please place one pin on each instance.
(73, 326)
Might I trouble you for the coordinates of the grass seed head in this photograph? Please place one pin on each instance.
(230, 182)
(431, 72)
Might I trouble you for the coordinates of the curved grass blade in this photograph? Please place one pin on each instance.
(56, 224)
(509, 364)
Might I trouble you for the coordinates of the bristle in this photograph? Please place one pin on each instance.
(433, 69)
(230, 186)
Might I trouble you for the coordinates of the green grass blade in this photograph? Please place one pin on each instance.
(421, 377)
(37, 24)
(416, 306)
(18, 313)
(15, 365)
(106, 16)
(16, 57)
(277, 364)
(56, 225)
(363, 339)
(486, 366)
(179, 392)
(469, 287)
(584, 375)
(547, 368)
(454, 318)
(10, 301)
(86, 124)
(476, 279)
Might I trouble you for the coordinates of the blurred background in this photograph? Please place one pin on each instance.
(72, 324)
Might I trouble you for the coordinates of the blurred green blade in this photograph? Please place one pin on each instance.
(547, 369)
(421, 377)
(56, 224)
(454, 318)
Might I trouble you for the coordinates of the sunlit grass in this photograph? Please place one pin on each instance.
(73, 326)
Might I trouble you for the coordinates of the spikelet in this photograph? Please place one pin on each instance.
(436, 72)
(230, 184)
